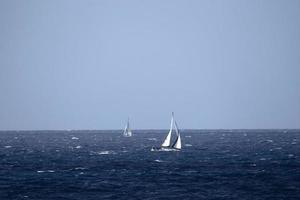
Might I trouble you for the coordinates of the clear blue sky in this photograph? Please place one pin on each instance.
(90, 64)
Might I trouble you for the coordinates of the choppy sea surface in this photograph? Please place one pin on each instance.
(213, 164)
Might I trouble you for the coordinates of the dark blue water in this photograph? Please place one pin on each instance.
(102, 165)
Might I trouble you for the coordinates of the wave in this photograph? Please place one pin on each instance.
(42, 171)
(80, 168)
(102, 152)
(152, 139)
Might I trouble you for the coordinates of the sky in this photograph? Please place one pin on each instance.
(90, 64)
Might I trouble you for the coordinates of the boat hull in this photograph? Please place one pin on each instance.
(164, 149)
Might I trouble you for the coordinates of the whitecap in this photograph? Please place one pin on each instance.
(262, 159)
(188, 145)
(152, 139)
(75, 138)
(294, 143)
(291, 155)
(271, 141)
(42, 171)
(77, 147)
(7, 147)
(188, 136)
(278, 148)
(80, 168)
(157, 160)
(253, 165)
(102, 152)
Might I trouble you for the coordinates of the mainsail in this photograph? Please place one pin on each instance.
(167, 141)
(127, 131)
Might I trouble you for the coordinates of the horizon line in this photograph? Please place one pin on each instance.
(184, 129)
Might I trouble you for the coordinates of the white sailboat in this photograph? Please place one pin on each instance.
(127, 131)
(166, 145)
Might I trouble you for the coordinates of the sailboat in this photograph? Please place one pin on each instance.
(167, 145)
(127, 131)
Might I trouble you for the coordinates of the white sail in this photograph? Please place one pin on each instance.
(167, 141)
(177, 143)
(127, 131)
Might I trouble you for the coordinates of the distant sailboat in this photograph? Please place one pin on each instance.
(166, 145)
(127, 131)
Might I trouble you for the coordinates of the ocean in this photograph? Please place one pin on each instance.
(96, 165)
